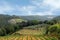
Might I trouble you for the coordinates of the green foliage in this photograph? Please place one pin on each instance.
(2, 31)
(55, 29)
(35, 22)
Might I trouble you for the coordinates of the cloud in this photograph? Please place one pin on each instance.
(53, 3)
(37, 7)
(26, 9)
(48, 6)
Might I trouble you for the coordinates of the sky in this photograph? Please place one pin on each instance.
(30, 7)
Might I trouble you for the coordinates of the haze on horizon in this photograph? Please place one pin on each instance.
(30, 7)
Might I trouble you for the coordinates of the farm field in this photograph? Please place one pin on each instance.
(28, 37)
(27, 34)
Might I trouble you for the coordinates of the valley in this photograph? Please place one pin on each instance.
(18, 28)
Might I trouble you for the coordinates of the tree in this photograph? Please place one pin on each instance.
(35, 22)
(9, 29)
(16, 27)
(53, 29)
(40, 22)
(3, 30)
(45, 21)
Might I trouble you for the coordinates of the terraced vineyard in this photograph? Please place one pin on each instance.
(28, 37)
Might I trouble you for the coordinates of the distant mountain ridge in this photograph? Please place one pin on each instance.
(37, 17)
(57, 18)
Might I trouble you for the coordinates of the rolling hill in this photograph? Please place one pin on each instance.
(5, 18)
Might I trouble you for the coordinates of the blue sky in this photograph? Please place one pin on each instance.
(30, 7)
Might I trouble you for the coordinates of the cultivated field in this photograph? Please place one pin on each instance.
(28, 37)
(28, 34)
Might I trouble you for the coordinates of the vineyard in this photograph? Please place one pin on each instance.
(27, 34)
(28, 37)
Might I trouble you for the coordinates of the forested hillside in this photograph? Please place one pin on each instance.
(5, 18)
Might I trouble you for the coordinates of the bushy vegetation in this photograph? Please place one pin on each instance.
(54, 30)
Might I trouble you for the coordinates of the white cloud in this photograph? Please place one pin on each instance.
(53, 3)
